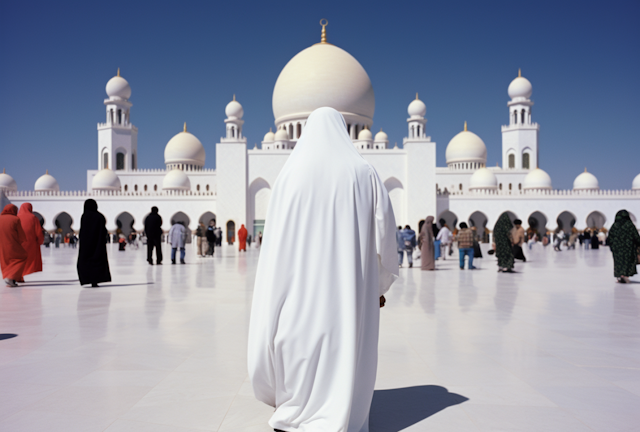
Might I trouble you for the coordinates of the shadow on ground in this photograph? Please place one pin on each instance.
(396, 409)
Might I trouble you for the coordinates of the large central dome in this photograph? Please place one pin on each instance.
(323, 75)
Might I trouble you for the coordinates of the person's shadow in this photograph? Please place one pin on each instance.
(396, 409)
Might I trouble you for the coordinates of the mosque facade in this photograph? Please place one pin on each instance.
(238, 190)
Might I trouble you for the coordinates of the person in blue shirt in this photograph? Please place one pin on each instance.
(406, 240)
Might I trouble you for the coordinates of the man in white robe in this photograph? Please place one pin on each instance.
(313, 337)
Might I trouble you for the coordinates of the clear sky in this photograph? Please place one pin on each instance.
(185, 60)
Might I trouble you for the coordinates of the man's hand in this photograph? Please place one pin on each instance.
(382, 301)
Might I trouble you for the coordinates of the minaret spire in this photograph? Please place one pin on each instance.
(323, 37)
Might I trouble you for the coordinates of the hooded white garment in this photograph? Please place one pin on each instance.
(328, 254)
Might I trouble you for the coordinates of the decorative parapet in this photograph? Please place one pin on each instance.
(132, 194)
(161, 171)
(535, 193)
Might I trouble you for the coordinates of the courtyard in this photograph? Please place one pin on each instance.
(553, 347)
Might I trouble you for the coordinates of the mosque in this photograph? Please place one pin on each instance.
(238, 190)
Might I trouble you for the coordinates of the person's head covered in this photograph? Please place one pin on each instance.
(90, 205)
(154, 209)
(10, 209)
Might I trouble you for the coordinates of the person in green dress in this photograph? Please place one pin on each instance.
(624, 241)
(502, 241)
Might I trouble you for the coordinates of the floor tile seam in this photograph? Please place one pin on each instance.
(230, 405)
(159, 424)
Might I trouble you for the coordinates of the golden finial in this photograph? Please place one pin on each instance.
(585, 169)
(4, 170)
(519, 73)
(324, 23)
(465, 126)
(185, 126)
(47, 171)
(380, 129)
(234, 97)
(416, 95)
(270, 130)
(118, 72)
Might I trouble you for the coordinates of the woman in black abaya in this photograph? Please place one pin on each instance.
(93, 265)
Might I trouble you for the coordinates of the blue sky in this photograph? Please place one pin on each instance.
(185, 60)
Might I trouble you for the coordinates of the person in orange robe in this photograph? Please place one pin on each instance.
(34, 238)
(242, 238)
(13, 257)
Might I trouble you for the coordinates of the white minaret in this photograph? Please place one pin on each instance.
(520, 137)
(118, 138)
(416, 121)
(234, 120)
(419, 199)
(232, 173)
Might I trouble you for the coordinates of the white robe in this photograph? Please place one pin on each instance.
(328, 254)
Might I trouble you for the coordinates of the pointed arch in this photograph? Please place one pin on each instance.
(125, 221)
(395, 189)
(566, 220)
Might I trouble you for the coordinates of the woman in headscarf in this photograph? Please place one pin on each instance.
(502, 240)
(625, 243)
(427, 250)
(13, 257)
(93, 264)
(34, 238)
(313, 337)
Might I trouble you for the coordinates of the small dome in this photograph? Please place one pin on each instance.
(365, 135)
(483, 178)
(520, 88)
(106, 180)
(118, 87)
(417, 108)
(537, 179)
(586, 181)
(466, 147)
(7, 182)
(281, 135)
(269, 136)
(635, 185)
(46, 183)
(176, 179)
(381, 137)
(234, 109)
(184, 148)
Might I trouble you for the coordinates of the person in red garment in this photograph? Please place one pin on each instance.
(34, 238)
(242, 238)
(13, 257)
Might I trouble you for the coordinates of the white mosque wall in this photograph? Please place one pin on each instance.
(581, 205)
(232, 184)
(113, 204)
(150, 180)
(420, 199)
(457, 180)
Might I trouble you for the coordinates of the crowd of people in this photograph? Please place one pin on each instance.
(432, 242)
(509, 238)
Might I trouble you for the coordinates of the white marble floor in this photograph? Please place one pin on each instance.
(554, 347)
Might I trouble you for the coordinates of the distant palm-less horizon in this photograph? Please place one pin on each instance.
(186, 60)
